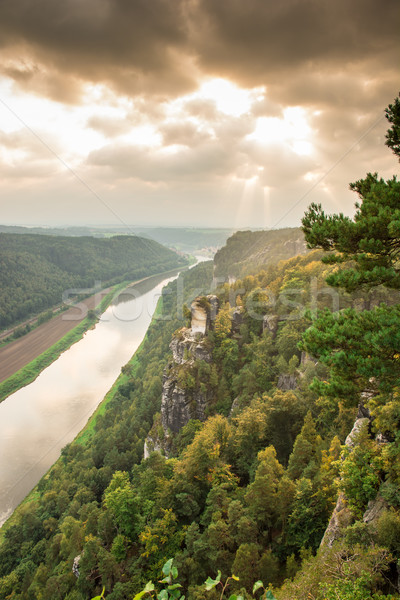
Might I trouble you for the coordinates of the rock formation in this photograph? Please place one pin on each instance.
(342, 516)
(179, 404)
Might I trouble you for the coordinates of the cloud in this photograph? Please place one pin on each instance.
(131, 162)
(109, 126)
(134, 46)
(163, 48)
(185, 102)
(185, 133)
(257, 41)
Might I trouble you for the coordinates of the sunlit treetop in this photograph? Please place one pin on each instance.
(371, 240)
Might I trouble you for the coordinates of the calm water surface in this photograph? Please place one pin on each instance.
(40, 419)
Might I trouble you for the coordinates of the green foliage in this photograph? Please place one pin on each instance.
(370, 240)
(336, 568)
(35, 270)
(119, 499)
(346, 589)
(247, 251)
(360, 472)
(361, 350)
(393, 133)
(304, 456)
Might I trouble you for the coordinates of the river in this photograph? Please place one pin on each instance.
(37, 421)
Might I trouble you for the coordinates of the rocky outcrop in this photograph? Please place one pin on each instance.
(180, 400)
(342, 516)
(340, 519)
(178, 406)
(374, 509)
(287, 381)
(306, 359)
(204, 310)
(358, 425)
(270, 324)
(237, 320)
(151, 444)
(199, 318)
(188, 346)
(75, 565)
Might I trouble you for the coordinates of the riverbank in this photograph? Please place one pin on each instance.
(127, 372)
(27, 357)
(85, 434)
(20, 352)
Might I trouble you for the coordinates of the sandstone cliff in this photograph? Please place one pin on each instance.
(183, 396)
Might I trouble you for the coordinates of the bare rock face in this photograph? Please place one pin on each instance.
(306, 359)
(75, 565)
(199, 318)
(188, 346)
(178, 407)
(234, 407)
(287, 381)
(374, 509)
(204, 310)
(358, 425)
(340, 519)
(270, 323)
(295, 247)
(237, 319)
(151, 445)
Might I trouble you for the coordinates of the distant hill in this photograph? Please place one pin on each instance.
(60, 231)
(35, 269)
(247, 251)
(188, 239)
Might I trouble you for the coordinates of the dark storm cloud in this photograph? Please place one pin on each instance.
(131, 44)
(151, 45)
(257, 38)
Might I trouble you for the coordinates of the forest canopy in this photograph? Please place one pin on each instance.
(36, 269)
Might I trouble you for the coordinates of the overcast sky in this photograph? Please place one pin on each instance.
(234, 113)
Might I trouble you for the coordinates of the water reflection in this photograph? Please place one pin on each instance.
(38, 420)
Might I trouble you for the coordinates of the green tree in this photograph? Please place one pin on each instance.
(246, 564)
(262, 495)
(307, 521)
(371, 240)
(119, 499)
(304, 455)
(393, 133)
(359, 471)
(361, 349)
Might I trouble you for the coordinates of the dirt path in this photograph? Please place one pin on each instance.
(22, 351)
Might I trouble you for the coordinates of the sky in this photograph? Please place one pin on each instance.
(218, 113)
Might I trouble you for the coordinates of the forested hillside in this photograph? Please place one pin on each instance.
(266, 484)
(248, 251)
(35, 270)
